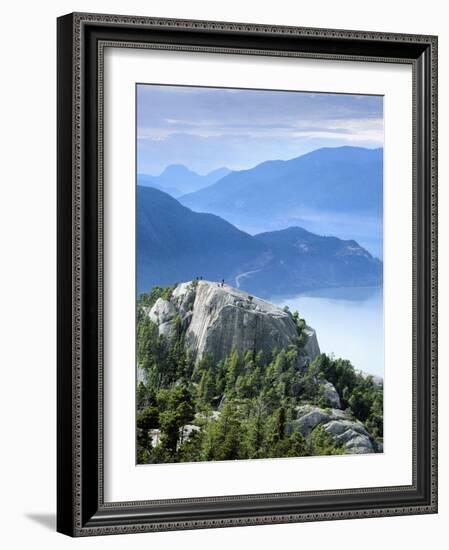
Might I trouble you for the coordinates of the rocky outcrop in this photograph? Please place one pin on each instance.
(346, 431)
(162, 313)
(142, 376)
(311, 347)
(218, 319)
(352, 435)
(330, 394)
(187, 430)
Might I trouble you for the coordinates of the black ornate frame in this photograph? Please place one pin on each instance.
(81, 507)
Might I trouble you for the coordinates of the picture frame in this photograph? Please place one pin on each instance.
(81, 506)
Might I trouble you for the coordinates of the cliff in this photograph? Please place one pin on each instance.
(218, 319)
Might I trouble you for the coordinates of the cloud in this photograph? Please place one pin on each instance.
(204, 128)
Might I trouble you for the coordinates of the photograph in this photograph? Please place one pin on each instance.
(259, 273)
(247, 274)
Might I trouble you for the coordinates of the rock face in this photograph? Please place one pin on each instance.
(347, 432)
(311, 348)
(162, 313)
(219, 319)
(142, 376)
(331, 394)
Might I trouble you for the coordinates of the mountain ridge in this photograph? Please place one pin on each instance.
(175, 243)
(325, 191)
(271, 167)
(177, 179)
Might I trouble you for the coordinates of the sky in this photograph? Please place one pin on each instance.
(208, 128)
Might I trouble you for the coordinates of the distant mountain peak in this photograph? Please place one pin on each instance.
(221, 171)
(182, 169)
(294, 230)
(177, 170)
(178, 179)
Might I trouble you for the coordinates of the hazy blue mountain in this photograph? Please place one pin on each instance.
(327, 191)
(215, 175)
(340, 178)
(175, 244)
(143, 180)
(177, 179)
(304, 261)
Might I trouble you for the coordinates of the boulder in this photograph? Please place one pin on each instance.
(183, 298)
(155, 436)
(187, 430)
(309, 418)
(347, 432)
(338, 427)
(331, 394)
(162, 314)
(142, 376)
(351, 434)
(201, 417)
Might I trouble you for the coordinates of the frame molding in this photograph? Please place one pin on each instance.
(81, 510)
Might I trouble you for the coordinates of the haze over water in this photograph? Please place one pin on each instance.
(348, 322)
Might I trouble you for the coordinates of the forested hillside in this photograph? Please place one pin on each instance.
(293, 401)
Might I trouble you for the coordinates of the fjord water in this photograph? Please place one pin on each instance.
(348, 322)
